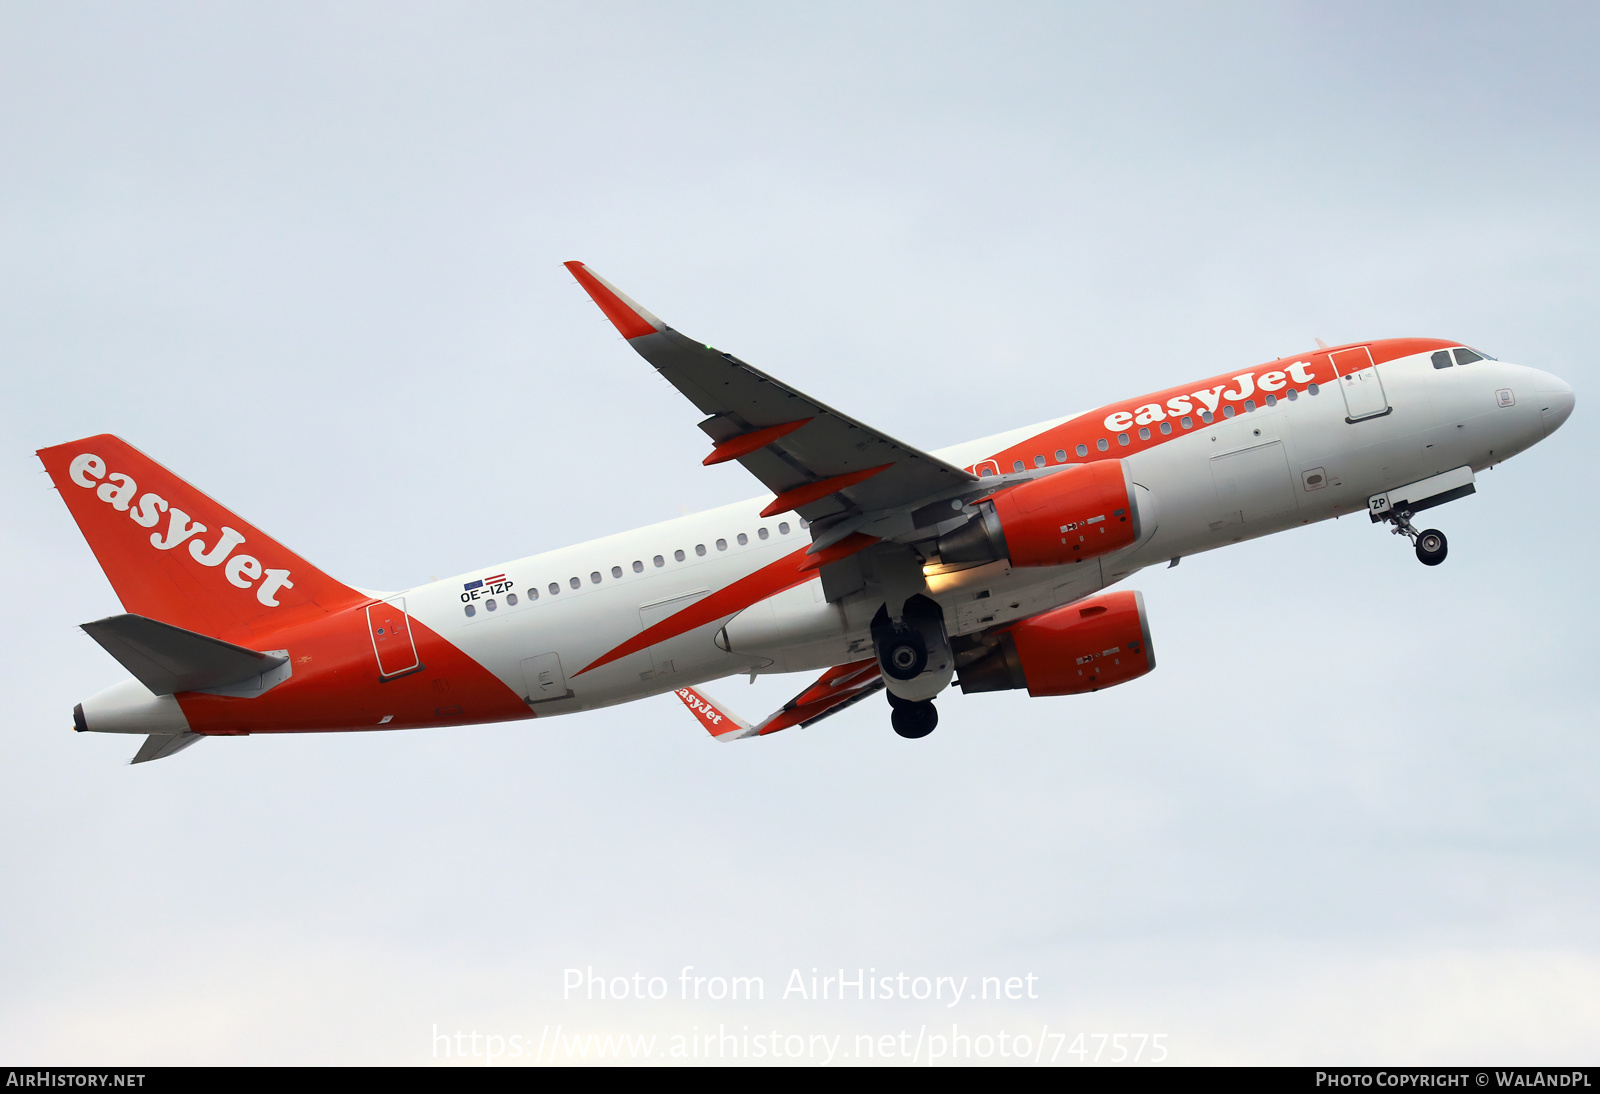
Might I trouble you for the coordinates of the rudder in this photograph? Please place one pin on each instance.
(173, 554)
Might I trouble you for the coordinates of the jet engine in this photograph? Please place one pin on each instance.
(1077, 513)
(1093, 644)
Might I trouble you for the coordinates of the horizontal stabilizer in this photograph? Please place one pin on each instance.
(158, 746)
(168, 659)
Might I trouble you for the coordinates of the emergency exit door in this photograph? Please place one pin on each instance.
(392, 643)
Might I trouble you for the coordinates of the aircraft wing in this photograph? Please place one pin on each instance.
(824, 465)
(839, 687)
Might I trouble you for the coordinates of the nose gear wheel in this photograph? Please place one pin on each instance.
(1430, 543)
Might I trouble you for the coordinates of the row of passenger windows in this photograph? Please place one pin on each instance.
(1186, 422)
(658, 561)
(1464, 356)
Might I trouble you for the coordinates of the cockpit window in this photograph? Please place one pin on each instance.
(1466, 357)
(1441, 359)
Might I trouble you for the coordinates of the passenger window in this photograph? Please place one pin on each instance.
(804, 523)
(1166, 427)
(1083, 450)
(1272, 400)
(1249, 405)
(471, 611)
(638, 566)
(554, 588)
(743, 539)
(616, 571)
(489, 603)
(594, 577)
(986, 472)
(1102, 444)
(1122, 438)
(1228, 411)
(658, 562)
(1016, 465)
(1038, 461)
(700, 549)
(1144, 433)
(761, 533)
(1466, 357)
(783, 527)
(677, 556)
(1205, 416)
(533, 594)
(1441, 359)
(1061, 455)
(575, 583)
(1187, 422)
(511, 600)
(722, 545)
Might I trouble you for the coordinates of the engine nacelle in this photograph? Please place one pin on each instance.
(1093, 644)
(1078, 513)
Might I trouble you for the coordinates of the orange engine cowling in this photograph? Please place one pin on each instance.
(1093, 644)
(1077, 513)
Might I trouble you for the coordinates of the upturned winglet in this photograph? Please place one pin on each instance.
(627, 316)
(722, 725)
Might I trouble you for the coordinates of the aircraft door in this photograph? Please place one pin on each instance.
(1364, 396)
(392, 643)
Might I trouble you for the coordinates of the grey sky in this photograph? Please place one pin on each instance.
(308, 256)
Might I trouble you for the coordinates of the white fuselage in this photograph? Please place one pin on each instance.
(1261, 471)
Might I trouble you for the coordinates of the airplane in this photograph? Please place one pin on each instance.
(990, 564)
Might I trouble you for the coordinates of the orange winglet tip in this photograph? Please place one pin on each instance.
(746, 443)
(718, 722)
(629, 318)
(813, 491)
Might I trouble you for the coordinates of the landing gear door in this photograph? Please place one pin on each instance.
(392, 643)
(1364, 396)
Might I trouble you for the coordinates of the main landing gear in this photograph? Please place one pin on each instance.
(1431, 545)
(914, 656)
(912, 719)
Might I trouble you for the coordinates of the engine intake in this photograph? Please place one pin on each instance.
(1096, 643)
(1078, 513)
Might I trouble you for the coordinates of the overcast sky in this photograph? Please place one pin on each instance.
(309, 257)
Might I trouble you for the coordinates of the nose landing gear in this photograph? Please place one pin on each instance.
(1432, 547)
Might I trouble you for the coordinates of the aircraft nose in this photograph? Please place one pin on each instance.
(1556, 401)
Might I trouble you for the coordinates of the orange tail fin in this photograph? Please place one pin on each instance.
(173, 554)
